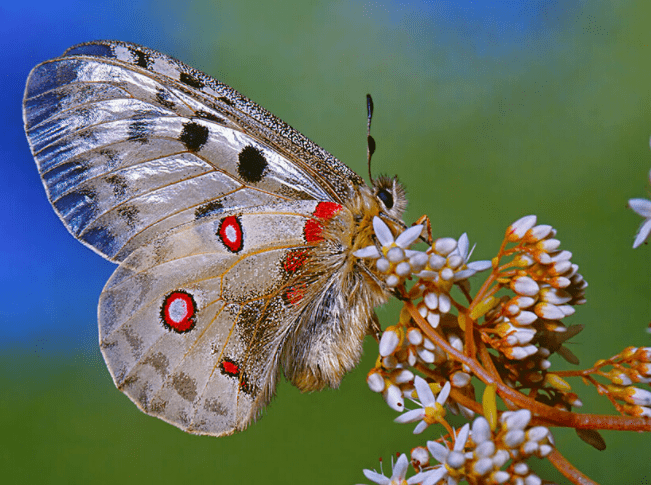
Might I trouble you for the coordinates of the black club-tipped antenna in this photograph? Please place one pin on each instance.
(370, 141)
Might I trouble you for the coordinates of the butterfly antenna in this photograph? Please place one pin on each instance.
(370, 141)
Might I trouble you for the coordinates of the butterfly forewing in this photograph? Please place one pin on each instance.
(118, 157)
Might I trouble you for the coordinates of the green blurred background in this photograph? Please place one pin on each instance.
(487, 111)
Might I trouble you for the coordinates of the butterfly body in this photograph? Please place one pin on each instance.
(233, 233)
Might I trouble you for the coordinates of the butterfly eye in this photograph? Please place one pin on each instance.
(386, 197)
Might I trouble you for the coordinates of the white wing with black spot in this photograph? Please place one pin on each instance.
(131, 143)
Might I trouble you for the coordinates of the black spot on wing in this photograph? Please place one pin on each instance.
(119, 185)
(140, 58)
(139, 130)
(111, 157)
(252, 164)
(190, 80)
(225, 100)
(129, 213)
(163, 98)
(205, 210)
(194, 135)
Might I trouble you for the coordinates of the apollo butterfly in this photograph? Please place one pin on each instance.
(233, 233)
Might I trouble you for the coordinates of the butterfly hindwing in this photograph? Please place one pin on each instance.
(184, 337)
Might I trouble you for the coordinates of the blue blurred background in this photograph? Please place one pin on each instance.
(487, 111)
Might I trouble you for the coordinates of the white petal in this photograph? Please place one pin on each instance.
(447, 274)
(436, 261)
(641, 397)
(393, 397)
(445, 245)
(403, 269)
(414, 336)
(417, 259)
(367, 252)
(392, 281)
(513, 439)
(395, 254)
(463, 245)
(375, 382)
(444, 303)
(482, 466)
(420, 427)
(525, 318)
(480, 265)
(434, 318)
(463, 274)
(388, 343)
(481, 430)
(642, 233)
(540, 232)
(382, 232)
(400, 468)
(443, 395)
(520, 227)
(438, 451)
(462, 437)
(406, 239)
(377, 477)
(523, 285)
(548, 311)
(428, 275)
(518, 419)
(430, 477)
(431, 300)
(501, 476)
(456, 459)
(425, 394)
(641, 207)
(460, 379)
(454, 261)
(410, 416)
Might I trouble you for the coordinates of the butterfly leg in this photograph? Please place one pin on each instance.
(425, 220)
(374, 328)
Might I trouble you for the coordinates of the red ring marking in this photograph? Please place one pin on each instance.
(230, 233)
(323, 211)
(174, 302)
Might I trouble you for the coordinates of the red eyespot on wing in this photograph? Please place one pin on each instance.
(323, 211)
(230, 233)
(178, 311)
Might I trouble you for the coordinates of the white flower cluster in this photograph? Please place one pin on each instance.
(546, 289)
(445, 261)
(478, 454)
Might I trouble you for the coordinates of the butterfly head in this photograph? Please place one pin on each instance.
(391, 196)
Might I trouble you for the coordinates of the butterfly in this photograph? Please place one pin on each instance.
(233, 233)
